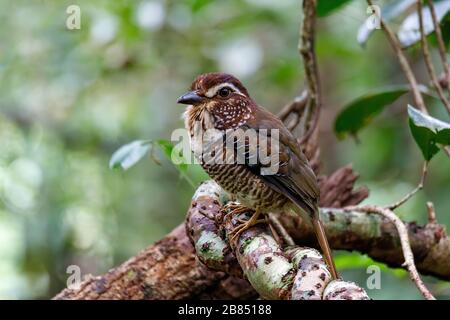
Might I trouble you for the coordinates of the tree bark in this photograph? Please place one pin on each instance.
(169, 269)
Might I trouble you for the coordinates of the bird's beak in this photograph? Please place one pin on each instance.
(190, 97)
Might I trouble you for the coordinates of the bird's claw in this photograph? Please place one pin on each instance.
(237, 209)
(245, 224)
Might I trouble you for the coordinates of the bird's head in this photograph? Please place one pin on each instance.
(220, 97)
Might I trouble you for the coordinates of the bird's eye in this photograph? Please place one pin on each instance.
(224, 92)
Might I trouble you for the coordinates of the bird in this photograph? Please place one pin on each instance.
(218, 104)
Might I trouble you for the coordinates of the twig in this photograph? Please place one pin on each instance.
(412, 192)
(404, 240)
(406, 67)
(441, 44)
(431, 212)
(295, 106)
(280, 229)
(446, 150)
(295, 111)
(407, 70)
(444, 83)
(428, 62)
(275, 234)
(306, 47)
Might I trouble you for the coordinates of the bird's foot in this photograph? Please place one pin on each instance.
(245, 224)
(236, 208)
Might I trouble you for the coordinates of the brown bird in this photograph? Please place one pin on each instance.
(219, 103)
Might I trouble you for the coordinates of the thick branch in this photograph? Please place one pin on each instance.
(169, 270)
(275, 271)
(165, 270)
(378, 238)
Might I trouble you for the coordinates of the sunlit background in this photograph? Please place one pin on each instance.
(70, 98)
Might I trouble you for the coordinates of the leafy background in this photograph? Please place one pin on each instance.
(69, 99)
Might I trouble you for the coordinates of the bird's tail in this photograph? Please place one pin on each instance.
(311, 210)
(324, 245)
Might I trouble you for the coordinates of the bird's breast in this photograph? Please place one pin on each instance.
(233, 177)
(248, 188)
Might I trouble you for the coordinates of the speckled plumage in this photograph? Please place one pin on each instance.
(236, 112)
(247, 187)
(220, 104)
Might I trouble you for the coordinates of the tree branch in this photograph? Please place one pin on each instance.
(292, 113)
(412, 192)
(169, 269)
(427, 58)
(279, 229)
(407, 70)
(405, 244)
(275, 271)
(377, 237)
(441, 44)
(307, 50)
(404, 64)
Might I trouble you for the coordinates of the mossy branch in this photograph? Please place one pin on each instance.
(289, 273)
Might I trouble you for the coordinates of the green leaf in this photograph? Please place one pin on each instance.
(428, 132)
(177, 159)
(128, 155)
(167, 147)
(198, 5)
(445, 28)
(388, 12)
(358, 113)
(325, 7)
(409, 31)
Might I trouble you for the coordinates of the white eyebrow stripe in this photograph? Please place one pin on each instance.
(213, 91)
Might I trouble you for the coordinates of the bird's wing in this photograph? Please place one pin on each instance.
(294, 177)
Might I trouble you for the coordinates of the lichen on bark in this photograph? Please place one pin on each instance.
(275, 272)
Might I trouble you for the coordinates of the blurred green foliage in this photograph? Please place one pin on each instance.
(361, 111)
(325, 7)
(70, 98)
